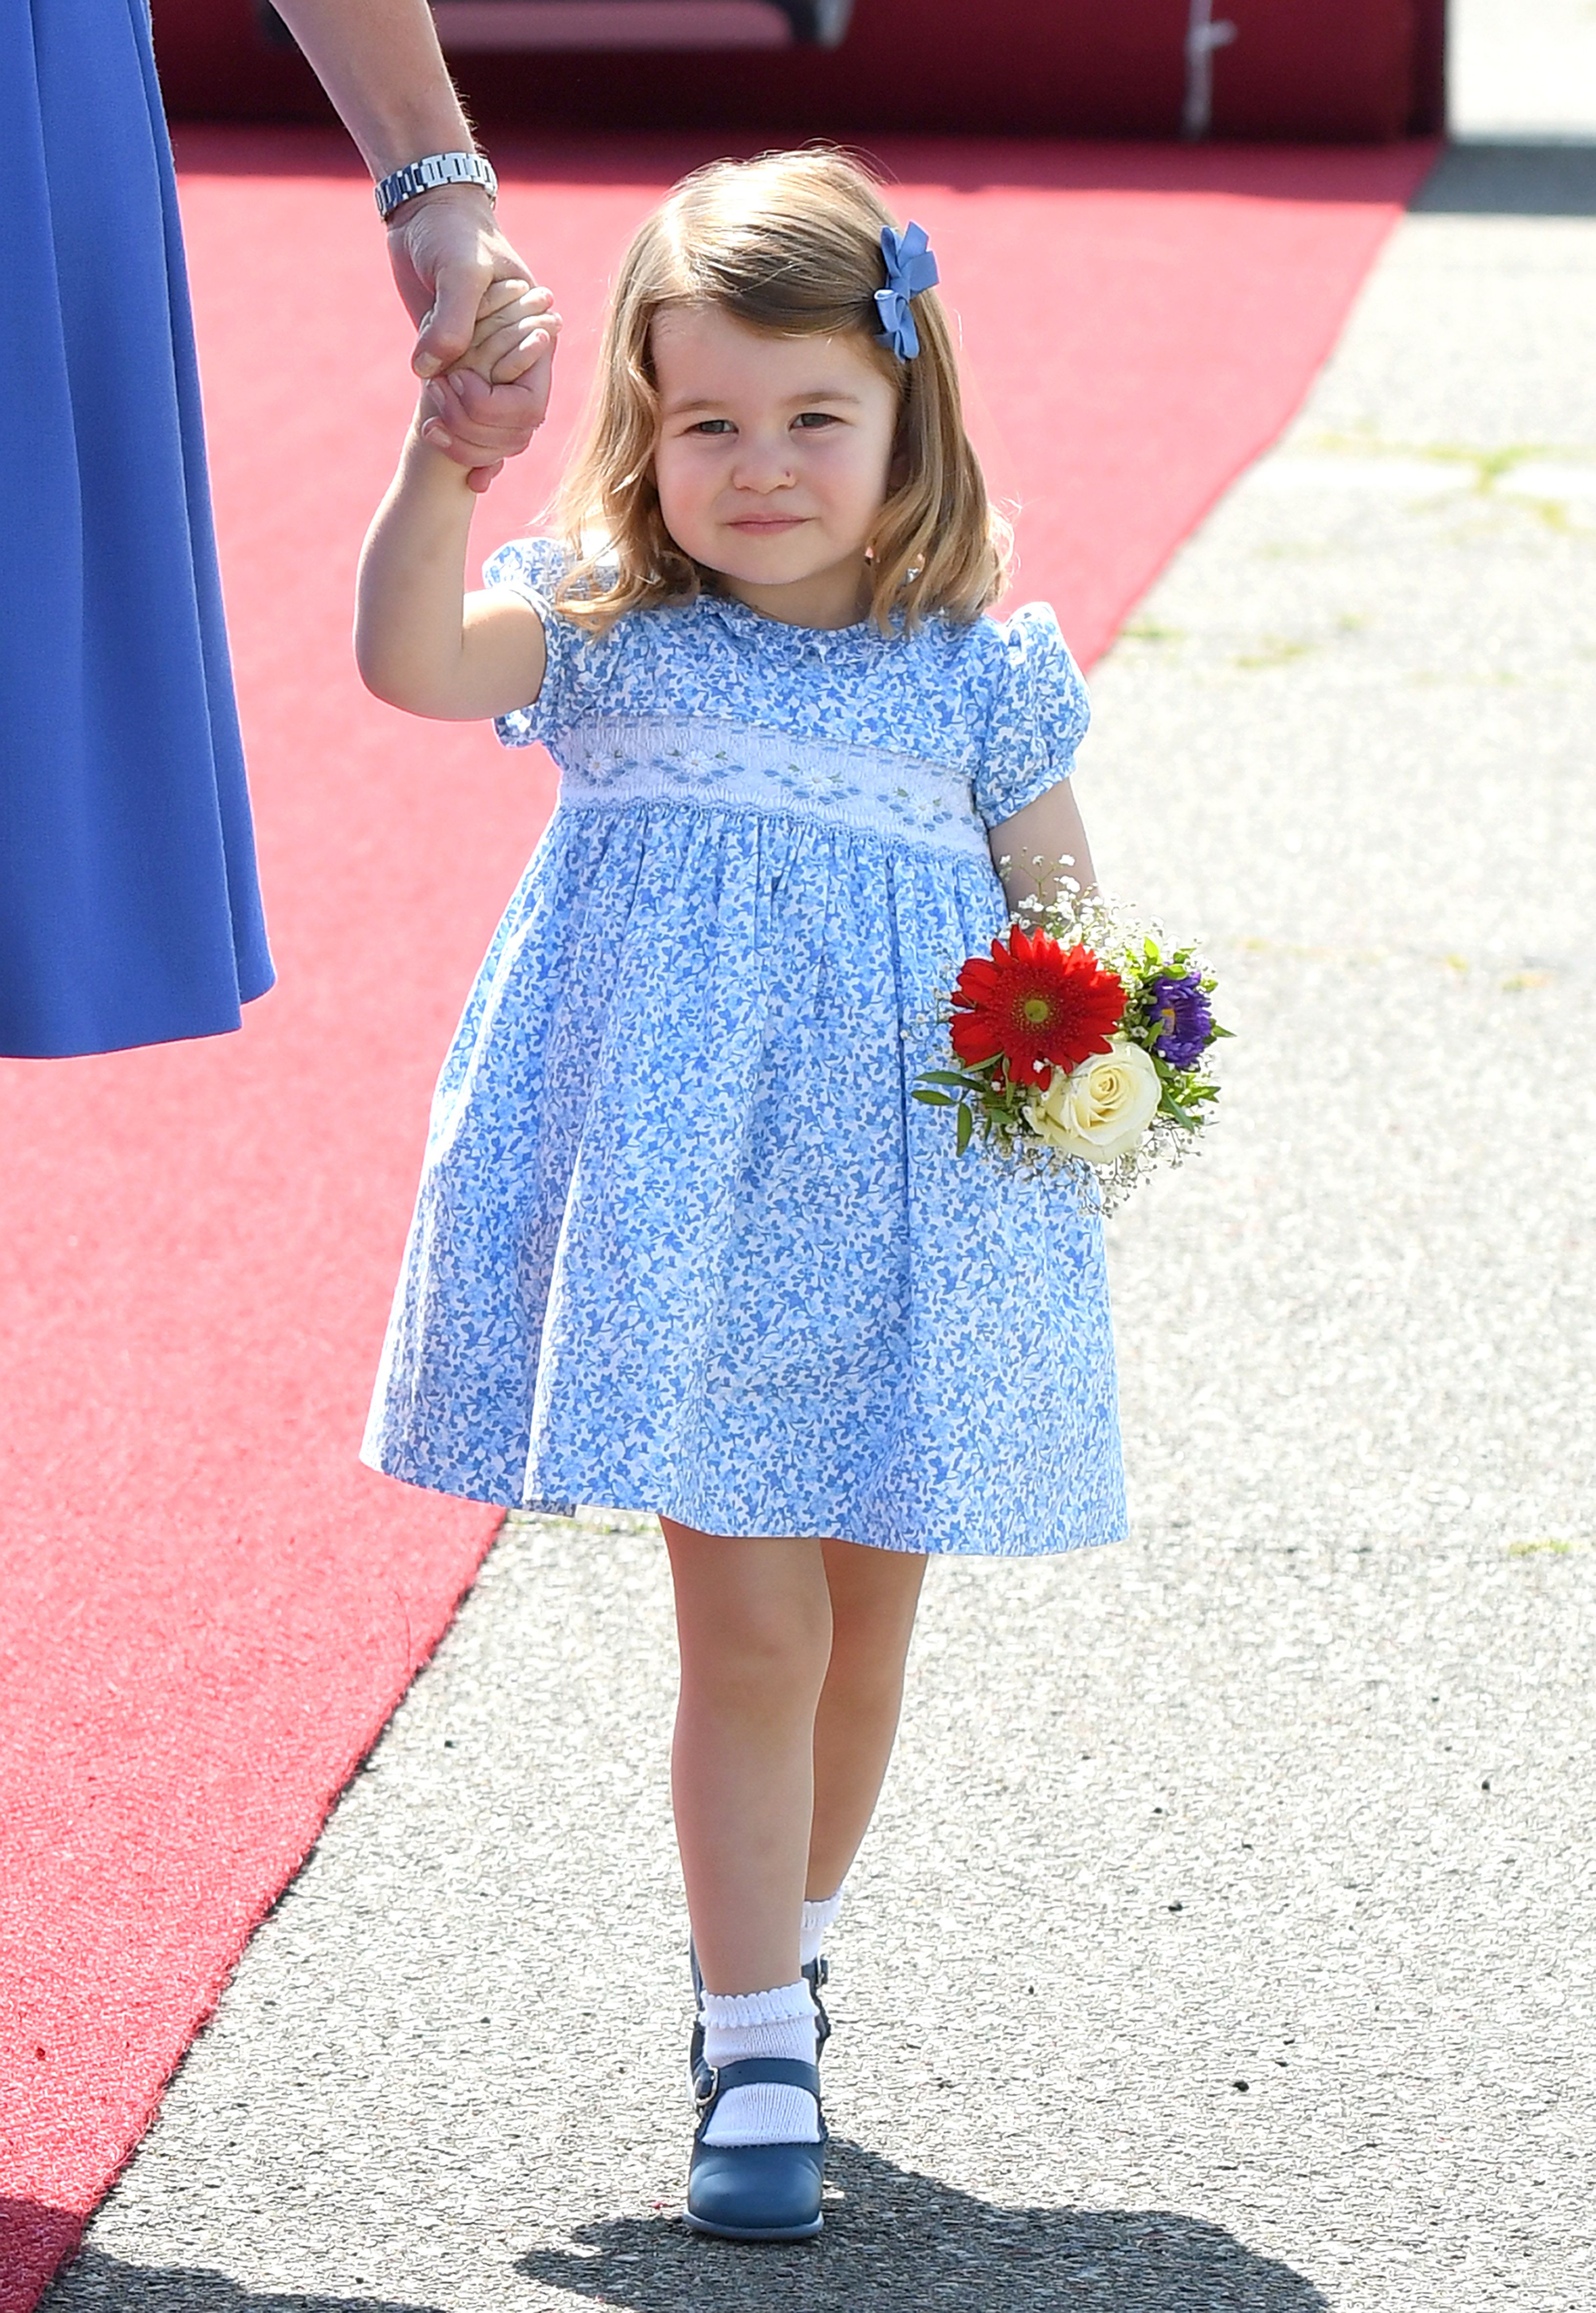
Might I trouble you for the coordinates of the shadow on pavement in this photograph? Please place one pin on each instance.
(904, 2242)
(98, 2283)
(1512, 180)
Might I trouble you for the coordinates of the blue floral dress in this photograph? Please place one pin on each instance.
(683, 1241)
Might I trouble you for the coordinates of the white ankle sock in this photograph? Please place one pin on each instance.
(779, 2023)
(815, 1926)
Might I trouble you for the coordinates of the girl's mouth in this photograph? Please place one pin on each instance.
(768, 525)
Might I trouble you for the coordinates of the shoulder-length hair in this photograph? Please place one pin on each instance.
(790, 244)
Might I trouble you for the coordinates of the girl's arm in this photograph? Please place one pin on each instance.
(1048, 829)
(421, 642)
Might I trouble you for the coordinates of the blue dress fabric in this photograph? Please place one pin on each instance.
(684, 1242)
(129, 912)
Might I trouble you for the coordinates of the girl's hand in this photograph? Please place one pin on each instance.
(487, 407)
(512, 321)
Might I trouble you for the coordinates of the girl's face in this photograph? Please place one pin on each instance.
(772, 460)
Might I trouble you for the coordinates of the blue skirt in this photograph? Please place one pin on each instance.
(684, 1242)
(129, 912)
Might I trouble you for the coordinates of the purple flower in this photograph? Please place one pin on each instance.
(1180, 1019)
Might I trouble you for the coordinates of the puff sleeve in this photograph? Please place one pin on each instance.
(532, 567)
(1039, 716)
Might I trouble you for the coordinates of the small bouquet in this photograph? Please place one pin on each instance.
(1083, 1042)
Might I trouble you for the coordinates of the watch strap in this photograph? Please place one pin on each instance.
(426, 175)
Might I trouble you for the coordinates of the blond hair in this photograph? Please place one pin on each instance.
(789, 244)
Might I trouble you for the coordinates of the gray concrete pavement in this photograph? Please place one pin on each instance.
(1225, 1939)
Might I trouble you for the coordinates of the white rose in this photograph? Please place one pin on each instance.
(1100, 1110)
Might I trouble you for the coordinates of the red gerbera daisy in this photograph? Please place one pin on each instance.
(1037, 1004)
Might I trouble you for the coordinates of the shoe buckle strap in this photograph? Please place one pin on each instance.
(760, 2071)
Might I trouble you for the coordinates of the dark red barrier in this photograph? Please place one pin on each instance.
(1344, 70)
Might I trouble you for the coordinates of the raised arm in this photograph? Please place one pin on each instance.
(421, 642)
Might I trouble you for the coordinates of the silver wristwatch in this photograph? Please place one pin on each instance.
(423, 176)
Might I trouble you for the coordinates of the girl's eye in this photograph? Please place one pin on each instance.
(712, 425)
(811, 420)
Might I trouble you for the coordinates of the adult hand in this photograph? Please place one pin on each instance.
(446, 250)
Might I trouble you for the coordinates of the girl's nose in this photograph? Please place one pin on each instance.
(763, 466)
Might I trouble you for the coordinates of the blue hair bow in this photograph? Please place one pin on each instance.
(910, 267)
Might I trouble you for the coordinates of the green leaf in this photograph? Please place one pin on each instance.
(932, 1099)
(967, 1125)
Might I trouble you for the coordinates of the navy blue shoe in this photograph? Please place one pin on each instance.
(757, 2192)
(815, 1972)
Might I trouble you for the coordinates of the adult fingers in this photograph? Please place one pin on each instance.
(446, 247)
(444, 400)
(448, 328)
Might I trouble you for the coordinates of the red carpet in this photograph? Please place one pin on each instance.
(208, 1608)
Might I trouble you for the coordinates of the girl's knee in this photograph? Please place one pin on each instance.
(779, 1646)
(755, 1657)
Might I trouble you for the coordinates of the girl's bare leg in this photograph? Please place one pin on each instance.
(753, 1619)
(874, 1594)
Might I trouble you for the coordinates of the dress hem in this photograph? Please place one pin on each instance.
(98, 1042)
(552, 1506)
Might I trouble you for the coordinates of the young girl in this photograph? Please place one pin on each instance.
(684, 1244)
